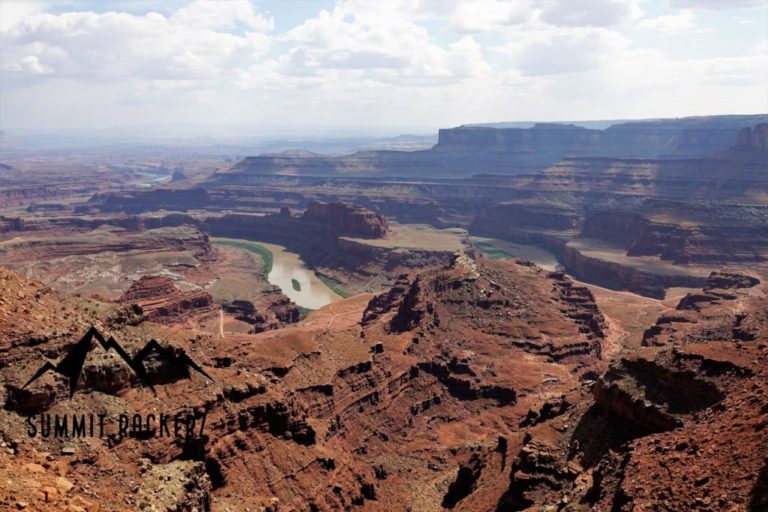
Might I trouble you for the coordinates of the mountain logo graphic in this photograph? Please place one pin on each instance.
(71, 366)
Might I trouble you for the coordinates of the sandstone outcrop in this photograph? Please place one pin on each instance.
(593, 262)
(330, 419)
(669, 189)
(345, 219)
(715, 313)
(665, 423)
(160, 300)
(468, 385)
(753, 139)
(480, 386)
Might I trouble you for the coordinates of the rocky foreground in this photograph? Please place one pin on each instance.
(484, 385)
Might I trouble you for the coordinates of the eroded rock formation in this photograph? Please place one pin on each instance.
(346, 219)
(161, 301)
(329, 419)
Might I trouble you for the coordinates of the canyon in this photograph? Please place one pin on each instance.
(479, 385)
(637, 224)
(446, 371)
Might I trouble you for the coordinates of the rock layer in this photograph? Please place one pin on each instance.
(161, 301)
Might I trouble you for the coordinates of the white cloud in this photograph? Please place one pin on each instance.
(682, 21)
(585, 13)
(717, 4)
(380, 40)
(397, 62)
(222, 14)
(114, 45)
(552, 51)
(15, 11)
(487, 15)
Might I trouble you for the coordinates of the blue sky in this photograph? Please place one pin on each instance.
(373, 66)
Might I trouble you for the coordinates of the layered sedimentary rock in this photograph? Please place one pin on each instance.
(607, 265)
(468, 150)
(480, 386)
(319, 219)
(162, 199)
(617, 186)
(717, 312)
(346, 219)
(54, 243)
(664, 424)
(161, 301)
(311, 418)
(753, 139)
(22, 186)
(280, 312)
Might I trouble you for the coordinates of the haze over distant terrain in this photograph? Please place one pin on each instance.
(344, 68)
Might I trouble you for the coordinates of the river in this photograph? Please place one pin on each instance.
(313, 293)
(503, 249)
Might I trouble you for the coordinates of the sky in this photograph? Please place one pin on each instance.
(379, 67)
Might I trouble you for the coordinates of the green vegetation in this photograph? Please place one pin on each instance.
(492, 251)
(296, 285)
(304, 311)
(262, 251)
(333, 286)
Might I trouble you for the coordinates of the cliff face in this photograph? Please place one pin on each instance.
(334, 415)
(542, 137)
(684, 440)
(468, 150)
(162, 199)
(504, 219)
(755, 139)
(701, 212)
(326, 219)
(47, 242)
(662, 424)
(346, 219)
(624, 274)
(481, 386)
(160, 300)
(632, 139)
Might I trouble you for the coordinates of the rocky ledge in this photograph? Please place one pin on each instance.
(161, 301)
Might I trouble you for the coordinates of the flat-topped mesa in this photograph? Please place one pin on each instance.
(149, 200)
(347, 219)
(161, 301)
(470, 150)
